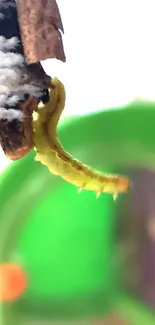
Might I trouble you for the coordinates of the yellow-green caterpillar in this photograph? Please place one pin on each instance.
(51, 154)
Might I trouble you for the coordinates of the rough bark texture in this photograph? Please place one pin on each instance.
(16, 137)
(36, 24)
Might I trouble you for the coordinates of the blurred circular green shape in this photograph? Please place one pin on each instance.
(65, 241)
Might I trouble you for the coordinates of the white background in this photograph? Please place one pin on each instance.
(110, 49)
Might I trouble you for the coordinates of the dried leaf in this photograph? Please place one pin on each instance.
(40, 25)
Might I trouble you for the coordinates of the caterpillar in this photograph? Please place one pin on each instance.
(51, 154)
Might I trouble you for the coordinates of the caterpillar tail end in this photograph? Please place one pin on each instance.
(114, 185)
(123, 184)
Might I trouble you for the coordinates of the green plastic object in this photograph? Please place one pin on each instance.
(65, 241)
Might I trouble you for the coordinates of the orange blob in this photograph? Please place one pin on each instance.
(13, 282)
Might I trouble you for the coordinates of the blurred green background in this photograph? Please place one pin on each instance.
(65, 241)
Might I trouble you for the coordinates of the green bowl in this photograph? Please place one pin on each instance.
(65, 241)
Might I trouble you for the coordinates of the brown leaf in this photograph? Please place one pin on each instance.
(40, 25)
